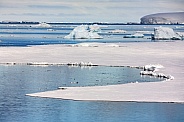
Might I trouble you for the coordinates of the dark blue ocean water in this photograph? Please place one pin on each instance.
(26, 35)
(18, 80)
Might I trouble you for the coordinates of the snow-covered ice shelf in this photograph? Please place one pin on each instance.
(169, 54)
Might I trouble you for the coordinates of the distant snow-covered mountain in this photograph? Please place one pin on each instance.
(164, 18)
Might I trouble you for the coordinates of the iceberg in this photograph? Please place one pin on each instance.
(165, 33)
(84, 32)
(94, 28)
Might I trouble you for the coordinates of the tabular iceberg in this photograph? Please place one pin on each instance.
(165, 33)
(85, 32)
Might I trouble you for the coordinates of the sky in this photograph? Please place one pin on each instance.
(85, 10)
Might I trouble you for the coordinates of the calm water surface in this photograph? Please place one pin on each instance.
(16, 81)
(26, 34)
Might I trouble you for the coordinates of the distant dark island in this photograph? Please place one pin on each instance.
(69, 23)
(164, 18)
(159, 18)
(17, 22)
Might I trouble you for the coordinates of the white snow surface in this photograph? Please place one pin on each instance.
(165, 33)
(168, 54)
(85, 32)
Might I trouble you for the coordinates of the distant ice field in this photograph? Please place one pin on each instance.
(26, 35)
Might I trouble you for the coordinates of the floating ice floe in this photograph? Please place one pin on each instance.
(117, 31)
(50, 30)
(136, 35)
(11, 25)
(81, 64)
(84, 32)
(43, 25)
(179, 27)
(144, 32)
(165, 33)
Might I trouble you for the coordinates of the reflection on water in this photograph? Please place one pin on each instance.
(18, 80)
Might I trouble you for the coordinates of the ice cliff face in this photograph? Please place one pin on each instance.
(164, 18)
(84, 32)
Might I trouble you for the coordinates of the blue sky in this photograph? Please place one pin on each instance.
(85, 10)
